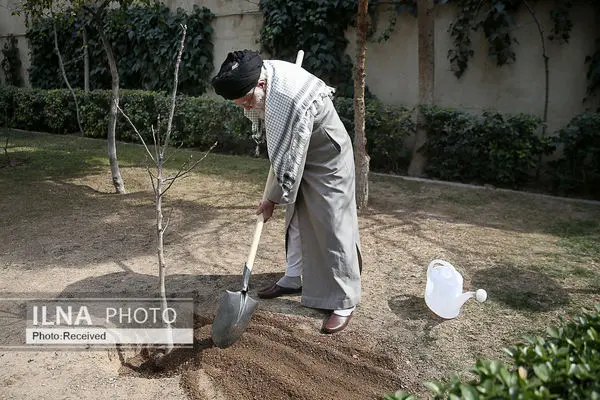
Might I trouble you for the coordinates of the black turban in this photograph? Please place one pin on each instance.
(238, 75)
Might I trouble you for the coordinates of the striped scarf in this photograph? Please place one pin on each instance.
(292, 95)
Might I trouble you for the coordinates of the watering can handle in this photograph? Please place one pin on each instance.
(438, 262)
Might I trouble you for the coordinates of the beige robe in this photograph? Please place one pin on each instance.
(326, 208)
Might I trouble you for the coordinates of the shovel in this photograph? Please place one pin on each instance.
(236, 308)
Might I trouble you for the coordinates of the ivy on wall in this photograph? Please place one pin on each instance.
(319, 26)
(561, 31)
(496, 19)
(143, 40)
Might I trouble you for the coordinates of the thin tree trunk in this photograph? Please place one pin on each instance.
(64, 74)
(112, 115)
(546, 81)
(361, 158)
(160, 231)
(426, 83)
(86, 63)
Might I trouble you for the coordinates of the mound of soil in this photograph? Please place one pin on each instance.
(276, 358)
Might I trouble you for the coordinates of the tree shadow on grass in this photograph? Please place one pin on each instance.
(521, 289)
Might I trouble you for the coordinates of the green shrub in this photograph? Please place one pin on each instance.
(204, 120)
(29, 109)
(565, 364)
(198, 121)
(59, 111)
(492, 148)
(7, 107)
(386, 128)
(94, 112)
(578, 170)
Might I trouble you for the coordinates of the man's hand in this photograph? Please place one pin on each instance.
(266, 208)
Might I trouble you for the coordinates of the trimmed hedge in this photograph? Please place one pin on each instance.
(491, 148)
(578, 170)
(386, 128)
(198, 121)
(564, 364)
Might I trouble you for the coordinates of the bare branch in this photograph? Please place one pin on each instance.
(156, 139)
(151, 179)
(174, 152)
(175, 83)
(136, 131)
(181, 173)
(168, 220)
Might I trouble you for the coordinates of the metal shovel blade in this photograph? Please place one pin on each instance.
(233, 316)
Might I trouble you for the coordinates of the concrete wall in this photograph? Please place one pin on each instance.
(237, 25)
(392, 67)
(11, 24)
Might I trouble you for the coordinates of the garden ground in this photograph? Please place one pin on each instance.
(65, 233)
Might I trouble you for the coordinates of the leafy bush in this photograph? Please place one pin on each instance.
(492, 148)
(144, 41)
(198, 121)
(7, 107)
(386, 127)
(29, 109)
(578, 170)
(565, 364)
(59, 108)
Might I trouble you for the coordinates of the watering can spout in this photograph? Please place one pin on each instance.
(480, 295)
(462, 299)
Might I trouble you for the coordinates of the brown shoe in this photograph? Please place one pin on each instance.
(274, 290)
(335, 323)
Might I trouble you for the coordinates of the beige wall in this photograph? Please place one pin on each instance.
(237, 25)
(392, 67)
(520, 87)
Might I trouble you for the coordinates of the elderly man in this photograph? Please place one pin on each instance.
(312, 173)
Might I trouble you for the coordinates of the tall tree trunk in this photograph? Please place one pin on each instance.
(546, 81)
(361, 158)
(86, 62)
(112, 115)
(426, 83)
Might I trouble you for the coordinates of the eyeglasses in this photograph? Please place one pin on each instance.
(249, 100)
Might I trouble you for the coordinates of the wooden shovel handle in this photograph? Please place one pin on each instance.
(260, 221)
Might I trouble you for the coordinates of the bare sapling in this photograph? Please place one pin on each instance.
(162, 182)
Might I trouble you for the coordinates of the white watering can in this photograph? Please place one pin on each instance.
(444, 290)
